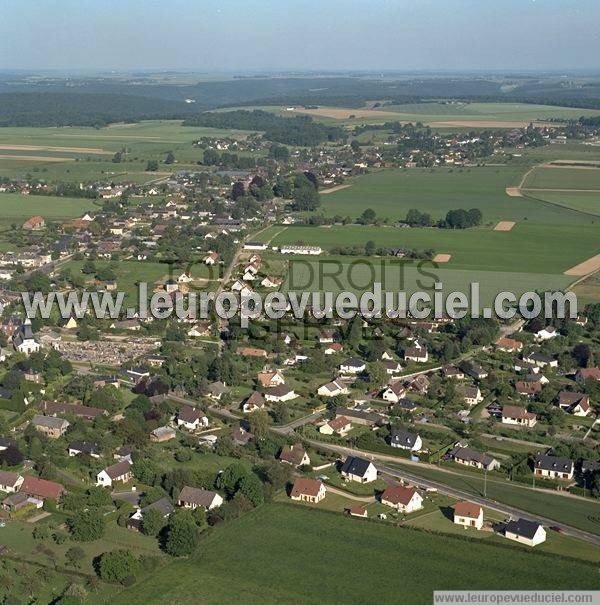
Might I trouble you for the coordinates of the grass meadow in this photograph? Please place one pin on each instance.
(283, 545)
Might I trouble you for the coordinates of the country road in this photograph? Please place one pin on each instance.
(456, 493)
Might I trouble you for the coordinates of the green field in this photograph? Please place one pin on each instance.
(285, 547)
(583, 201)
(16, 207)
(86, 152)
(546, 177)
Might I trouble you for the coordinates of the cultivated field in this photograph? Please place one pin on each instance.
(77, 153)
(338, 553)
(483, 115)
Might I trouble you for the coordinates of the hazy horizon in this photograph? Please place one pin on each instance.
(452, 36)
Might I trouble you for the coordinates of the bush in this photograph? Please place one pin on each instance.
(117, 566)
(86, 526)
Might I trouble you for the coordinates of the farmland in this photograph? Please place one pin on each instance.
(443, 114)
(563, 178)
(350, 550)
(77, 153)
(16, 207)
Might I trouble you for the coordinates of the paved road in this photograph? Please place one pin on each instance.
(459, 494)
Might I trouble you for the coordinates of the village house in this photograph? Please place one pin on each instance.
(333, 389)
(251, 352)
(162, 506)
(241, 436)
(358, 469)
(280, 393)
(255, 401)
(468, 514)
(392, 367)
(584, 374)
(193, 497)
(340, 426)
(546, 333)
(116, 473)
(295, 455)
(471, 457)
(271, 282)
(393, 392)
(10, 482)
(518, 416)
(472, 396)
(211, 258)
(416, 354)
(405, 440)
(42, 488)
(577, 404)
(362, 417)
(191, 418)
(333, 348)
(216, 390)
(540, 360)
(84, 447)
(162, 434)
(85, 412)
(403, 499)
(52, 427)
(528, 389)
(553, 467)
(353, 366)
(270, 379)
(308, 490)
(452, 372)
(526, 532)
(509, 345)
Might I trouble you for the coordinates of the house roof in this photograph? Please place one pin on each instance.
(81, 411)
(42, 488)
(85, 447)
(523, 527)
(163, 506)
(292, 454)
(553, 463)
(197, 496)
(469, 455)
(306, 487)
(49, 422)
(398, 494)
(339, 423)
(280, 390)
(8, 478)
(119, 469)
(403, 437)
(354, 465)
(467, 509)
(190, 414)
(511, 411)
(353, 362)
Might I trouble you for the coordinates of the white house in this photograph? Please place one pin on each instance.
(280, 393)
(10, 482)
(468, 514)
(403, 499)
(405, 440)
(120, 472)
(24, 341)
(192, 497)
(333, 389)
(546, 333)
(191, 418)
(352, 366)
(525, 532)
(358, 469)
(394, 392)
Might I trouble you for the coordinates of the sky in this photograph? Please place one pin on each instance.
(247, 35)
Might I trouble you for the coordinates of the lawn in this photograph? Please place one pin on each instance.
(349, 560)
(18, 208)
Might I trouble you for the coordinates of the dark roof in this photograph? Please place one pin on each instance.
(85, 447)
(553, 463)
(163, 506)
(355, 466)
(403, 437)
(471, 455)
(523, 527)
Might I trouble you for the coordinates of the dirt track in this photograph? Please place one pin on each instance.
(513, 192)
(35, 158)
(591, 265)
(334, 189)
(93, 150)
